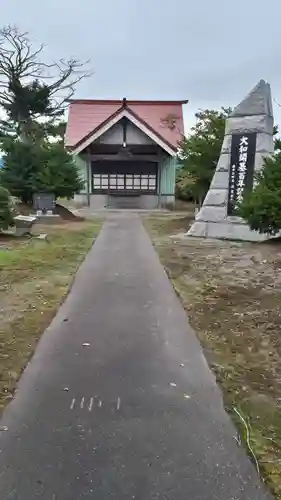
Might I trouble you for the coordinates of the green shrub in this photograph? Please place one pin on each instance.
(184, 188)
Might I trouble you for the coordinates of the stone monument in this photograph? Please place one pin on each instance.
(44, 204)
(248, 139)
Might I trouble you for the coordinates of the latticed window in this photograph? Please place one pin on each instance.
(124, 182)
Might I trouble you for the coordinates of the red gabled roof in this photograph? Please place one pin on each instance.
(164, 118)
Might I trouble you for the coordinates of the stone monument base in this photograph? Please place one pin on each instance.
(48, 219)
(228, 229)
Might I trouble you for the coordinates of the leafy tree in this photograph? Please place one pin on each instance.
(6, 216)
(200, 151)
(262, 207)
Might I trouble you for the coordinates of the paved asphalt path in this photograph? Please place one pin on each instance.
(136, 414)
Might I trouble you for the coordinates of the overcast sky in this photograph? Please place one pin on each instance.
(211, 52)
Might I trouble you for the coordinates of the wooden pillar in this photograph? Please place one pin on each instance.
(89, 173)
(159, 180)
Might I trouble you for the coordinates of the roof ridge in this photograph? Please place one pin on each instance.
(131, 101)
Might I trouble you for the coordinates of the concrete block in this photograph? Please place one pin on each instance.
(48, 219)
(233, 232)
(150, 202)
(265, 143)
(223, 163)
(167, 199)
(211, 214)
(220, 180)
(98, 201)
(244, 124)
(234, 219)
(259, 161)
(80, 199)
(198, 229)
(226, 145)
(216, 197)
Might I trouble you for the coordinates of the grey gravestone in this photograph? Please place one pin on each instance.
(44, 203)
(248, 139)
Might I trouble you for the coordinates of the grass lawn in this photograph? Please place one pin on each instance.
(35, 276)
(232, 294)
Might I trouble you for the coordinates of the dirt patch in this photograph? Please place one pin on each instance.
(65, 225)
(168, 223)
(232, 293)
(35, 276)
(67, 214)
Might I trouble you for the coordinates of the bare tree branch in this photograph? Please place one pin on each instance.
(21, 68)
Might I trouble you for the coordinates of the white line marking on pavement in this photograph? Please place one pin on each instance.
(72, 404)
(91, 404)
(82, 403)
(118, 403)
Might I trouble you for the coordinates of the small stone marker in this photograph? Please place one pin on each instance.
(23, 224)
(42, 236)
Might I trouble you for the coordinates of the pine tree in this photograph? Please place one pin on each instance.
(59, 175)
(33, 96)
(43, 167)
(6, 217)
(30, 89)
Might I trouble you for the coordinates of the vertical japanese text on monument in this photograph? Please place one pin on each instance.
(241, 169)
